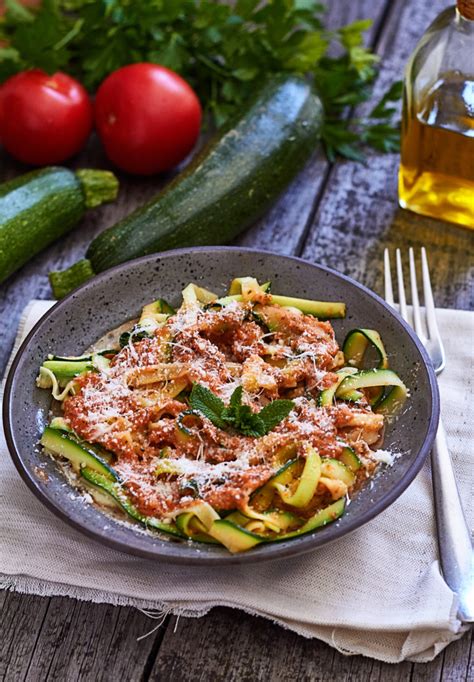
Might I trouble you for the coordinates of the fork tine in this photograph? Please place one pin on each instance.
(433, 330)
(414, 295)
(437, 354)
(388, 278)
(401, 288)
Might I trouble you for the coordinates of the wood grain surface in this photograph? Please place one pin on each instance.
(341, 215)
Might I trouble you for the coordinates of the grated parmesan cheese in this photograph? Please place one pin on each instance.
(385, 456)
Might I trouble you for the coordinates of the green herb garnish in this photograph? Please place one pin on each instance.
(223, 49)
(238, 416)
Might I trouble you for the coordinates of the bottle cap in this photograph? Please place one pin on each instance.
(466, 8)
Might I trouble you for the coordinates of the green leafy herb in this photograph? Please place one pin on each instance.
(237, 415)
(273, 413)
(208, 404)
(223, 49)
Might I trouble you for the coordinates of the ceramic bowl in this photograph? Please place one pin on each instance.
(117, 295)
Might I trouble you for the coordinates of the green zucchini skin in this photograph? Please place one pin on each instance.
(39, 207)
(229, 185)
(36, 209)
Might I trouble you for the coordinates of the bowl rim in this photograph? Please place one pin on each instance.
(296, 546)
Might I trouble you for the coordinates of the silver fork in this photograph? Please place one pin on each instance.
(454, 544)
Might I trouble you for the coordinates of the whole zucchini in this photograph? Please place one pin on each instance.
(223, 190)
(38, 207)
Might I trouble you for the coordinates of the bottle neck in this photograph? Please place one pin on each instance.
(466, 9)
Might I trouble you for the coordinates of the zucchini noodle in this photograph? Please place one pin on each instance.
(47, 379)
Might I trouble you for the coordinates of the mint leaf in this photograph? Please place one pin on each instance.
(208, 404)
(237, 416)
(236, 398)
(243, 419)
(273, 413)
(250, 423)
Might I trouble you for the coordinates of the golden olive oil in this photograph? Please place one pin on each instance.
(437, 156)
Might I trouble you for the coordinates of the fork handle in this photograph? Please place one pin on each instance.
(454, 543)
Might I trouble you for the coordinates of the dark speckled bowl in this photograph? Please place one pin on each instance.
(86, 314)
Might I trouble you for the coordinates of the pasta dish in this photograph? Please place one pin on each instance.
(235, 420)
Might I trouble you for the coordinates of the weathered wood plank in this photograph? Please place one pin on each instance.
(127, 658)
(470, 666)
(252, 652)
(358, 215)
(362, 669)
(55, 628)
(231, 645)
(457, 662)
(83, 641)
(21, 618)
(428, 672)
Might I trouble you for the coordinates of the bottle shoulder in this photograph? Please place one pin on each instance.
(446, 46)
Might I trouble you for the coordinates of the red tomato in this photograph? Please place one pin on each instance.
(147, 117)
(44, 119)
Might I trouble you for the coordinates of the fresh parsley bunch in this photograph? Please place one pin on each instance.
(238, 416)
(223, 49)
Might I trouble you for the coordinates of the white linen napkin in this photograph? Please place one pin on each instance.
(376, 592)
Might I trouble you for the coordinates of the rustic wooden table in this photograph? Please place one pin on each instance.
(341, 215)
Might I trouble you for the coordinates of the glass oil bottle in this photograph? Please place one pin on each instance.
(436, 176)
